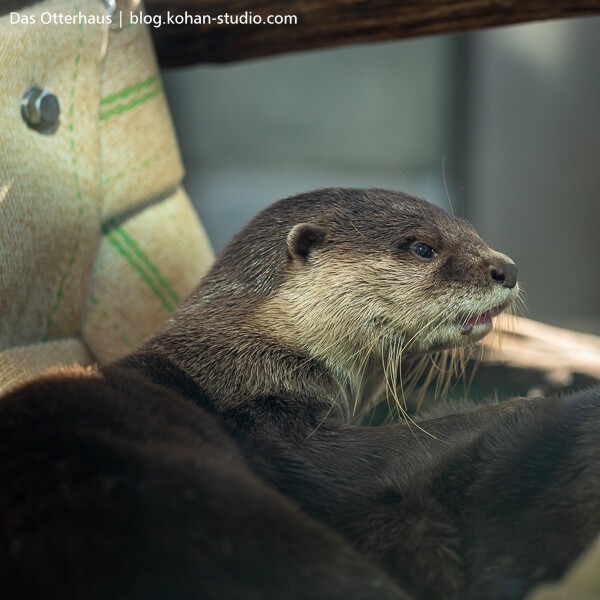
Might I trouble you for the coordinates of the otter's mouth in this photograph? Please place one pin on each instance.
(484, 319)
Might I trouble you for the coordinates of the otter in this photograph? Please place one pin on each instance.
(320, 290)
(218, 460)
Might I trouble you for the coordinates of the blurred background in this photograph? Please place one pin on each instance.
(504, 123)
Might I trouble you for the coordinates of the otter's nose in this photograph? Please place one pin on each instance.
(505, 275)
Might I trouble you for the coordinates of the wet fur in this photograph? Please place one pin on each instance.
(217, 462)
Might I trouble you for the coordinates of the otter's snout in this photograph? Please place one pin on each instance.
(504, 273)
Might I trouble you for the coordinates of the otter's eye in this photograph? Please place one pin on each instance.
(424, 251)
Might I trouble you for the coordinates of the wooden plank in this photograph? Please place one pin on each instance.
(323, 23)
(556, 352)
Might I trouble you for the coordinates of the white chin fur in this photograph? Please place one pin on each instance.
(478, 331)
(453, 337)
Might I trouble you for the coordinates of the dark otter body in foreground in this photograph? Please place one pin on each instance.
(118, 487)
(216, 462)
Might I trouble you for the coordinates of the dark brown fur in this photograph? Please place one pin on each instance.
(123, 488)
(237, 476)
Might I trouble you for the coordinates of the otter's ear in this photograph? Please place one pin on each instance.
(302, 238)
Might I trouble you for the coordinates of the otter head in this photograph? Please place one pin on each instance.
(368, 271)
(319, 291)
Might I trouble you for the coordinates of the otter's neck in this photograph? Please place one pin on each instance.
(235, 356)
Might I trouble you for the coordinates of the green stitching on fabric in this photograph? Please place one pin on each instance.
(140, 271)
(110, 179)
(144, 258)
(110, 228)
(136, 87)
(78, 193)
(115, 326)
(121, 108)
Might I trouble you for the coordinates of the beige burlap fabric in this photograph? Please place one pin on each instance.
(49, 194)
(144, 267)
(139, 153)
(98, 243)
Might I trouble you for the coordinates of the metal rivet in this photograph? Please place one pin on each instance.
(40, 110)
(110, 6)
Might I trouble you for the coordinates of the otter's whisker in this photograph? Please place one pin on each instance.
(446, 184)
(368, 350)
(321, 422)
(400, 406)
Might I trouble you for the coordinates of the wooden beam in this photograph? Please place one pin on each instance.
(325, 23)
(557, 352)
